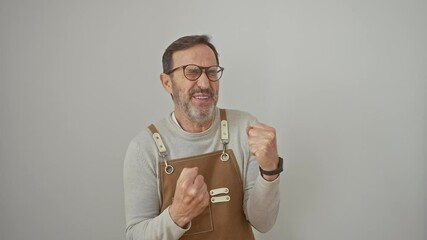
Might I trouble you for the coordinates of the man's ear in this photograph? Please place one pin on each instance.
(166, 82)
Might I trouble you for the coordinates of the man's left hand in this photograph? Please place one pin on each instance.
(262, 144)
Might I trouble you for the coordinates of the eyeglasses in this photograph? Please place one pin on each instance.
(192, 72)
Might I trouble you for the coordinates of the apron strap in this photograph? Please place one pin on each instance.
(222, 114)
(224, 127)
(158, 140)
(161, 148)
(224, 135)
(152, 128)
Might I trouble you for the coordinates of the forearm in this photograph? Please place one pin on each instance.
(263, 204)
(160, 227)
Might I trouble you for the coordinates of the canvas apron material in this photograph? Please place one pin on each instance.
(224, 217)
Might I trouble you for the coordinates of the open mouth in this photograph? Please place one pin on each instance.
(202, 98)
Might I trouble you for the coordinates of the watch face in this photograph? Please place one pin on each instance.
(280, 164)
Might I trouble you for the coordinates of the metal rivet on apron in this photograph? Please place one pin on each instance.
(169, 169)
(224, 157)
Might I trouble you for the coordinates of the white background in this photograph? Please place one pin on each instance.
(343, 82)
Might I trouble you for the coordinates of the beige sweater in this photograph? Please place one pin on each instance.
(141, 182)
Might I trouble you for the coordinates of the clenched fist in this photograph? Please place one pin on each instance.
(191, 197)
(262, 144)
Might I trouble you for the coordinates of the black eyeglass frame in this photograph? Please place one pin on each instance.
(204, 70)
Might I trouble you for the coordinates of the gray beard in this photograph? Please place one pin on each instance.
(190, 112)
(195, 116)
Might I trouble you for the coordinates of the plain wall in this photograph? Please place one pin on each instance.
(343, 82)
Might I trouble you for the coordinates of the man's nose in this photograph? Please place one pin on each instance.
(203, 82)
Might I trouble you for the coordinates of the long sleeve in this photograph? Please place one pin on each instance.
(263, 204)
(143, 219)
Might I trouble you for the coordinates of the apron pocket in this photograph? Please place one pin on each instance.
(202, 223)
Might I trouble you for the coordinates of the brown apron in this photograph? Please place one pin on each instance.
(224, 217)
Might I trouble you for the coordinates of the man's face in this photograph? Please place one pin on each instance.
(196, 100)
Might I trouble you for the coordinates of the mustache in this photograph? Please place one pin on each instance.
(204, 91)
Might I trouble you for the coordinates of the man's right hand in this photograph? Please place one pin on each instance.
(191, 197)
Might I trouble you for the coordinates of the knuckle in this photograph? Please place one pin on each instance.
(201, 198)
(200, 178)
(191, 192)
(186, 200)
(184, 185)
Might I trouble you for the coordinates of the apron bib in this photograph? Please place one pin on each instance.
(224, 217)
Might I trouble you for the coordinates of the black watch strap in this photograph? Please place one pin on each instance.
(276, 171)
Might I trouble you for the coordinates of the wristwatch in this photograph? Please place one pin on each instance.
(276, 171)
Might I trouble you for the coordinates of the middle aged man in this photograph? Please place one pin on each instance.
(201, 172)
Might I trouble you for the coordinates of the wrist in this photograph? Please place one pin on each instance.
(269, 178)
(275, 171)
(180, 221)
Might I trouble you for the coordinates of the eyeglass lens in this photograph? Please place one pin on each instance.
(193, 72)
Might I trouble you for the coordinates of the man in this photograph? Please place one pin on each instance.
(201, 172)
